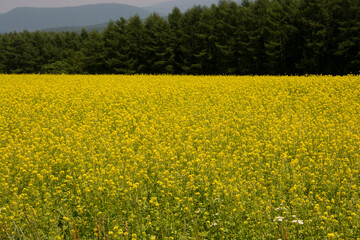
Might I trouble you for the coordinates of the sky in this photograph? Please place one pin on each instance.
(7, 5)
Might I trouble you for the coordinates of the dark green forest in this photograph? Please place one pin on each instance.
(253, 37)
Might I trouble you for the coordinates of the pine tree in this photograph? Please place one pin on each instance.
(192, 46)
(346, 19)
(2, 54)
(157, 51)
(93, 60)
(282, 47)
(116, 46)
(227, 39)
(176, 35)
(314, 31)
(135, 47)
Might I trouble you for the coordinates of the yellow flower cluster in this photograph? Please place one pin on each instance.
(171, 157)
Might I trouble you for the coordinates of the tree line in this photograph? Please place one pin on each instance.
(252, 37)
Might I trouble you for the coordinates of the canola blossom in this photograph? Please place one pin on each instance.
(179, 157)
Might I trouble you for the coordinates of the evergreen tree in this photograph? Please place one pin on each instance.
(192, 46)
(315, 21)
(19, 54)
(116, 46)
(93, 60)
(245, 39)
(156, 39)
(208, 33)
(176, 37)
(52, 50)
(135, 45)
(345, 18)
(227, 40)
(254, 37)
(282, 46)
(259, 34)
(2, 54)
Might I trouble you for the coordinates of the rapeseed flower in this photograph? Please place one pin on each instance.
(179, 156)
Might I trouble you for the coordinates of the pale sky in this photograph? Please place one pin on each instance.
(7, 5)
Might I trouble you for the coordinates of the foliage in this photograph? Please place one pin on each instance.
(255, 37)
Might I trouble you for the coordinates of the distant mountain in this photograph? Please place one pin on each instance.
(165, 8)
(77, 29)
(90, 17)
(31, 19)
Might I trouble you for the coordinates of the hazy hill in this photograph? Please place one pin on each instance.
(90, 17)
(26, 18)
(97, 27)
(162, 8)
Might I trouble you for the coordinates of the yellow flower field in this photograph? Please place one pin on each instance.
(179, 157)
